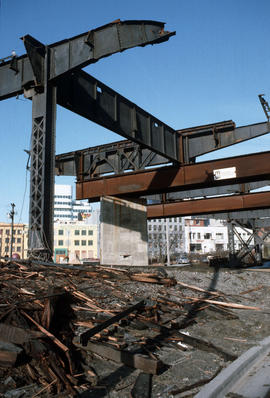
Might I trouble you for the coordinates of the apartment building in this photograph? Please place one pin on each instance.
(19, 240)
(75, 242)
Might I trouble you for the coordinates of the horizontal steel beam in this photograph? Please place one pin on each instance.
(76, 52)
(249, 168)
(126, 155)
(116, 157)
(211, 205)
(90, 98)
(205, 139)
(213, 191)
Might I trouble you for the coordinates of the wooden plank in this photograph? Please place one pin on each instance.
(91, 332)
(142, 386)
(138, 361)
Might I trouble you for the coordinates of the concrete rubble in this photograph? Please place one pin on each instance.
(120, 332)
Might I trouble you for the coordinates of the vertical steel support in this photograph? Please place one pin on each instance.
(231, 244)
(40, 240)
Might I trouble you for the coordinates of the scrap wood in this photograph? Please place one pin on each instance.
(134, 360)
(153, 279)
(17, 335)
(230, 305)
(8, 353)
(199, 289)
(91, 332)
(52, 337)
(254, 289)
(142, 386)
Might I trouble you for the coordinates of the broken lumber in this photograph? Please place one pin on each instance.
(91, 332)
(133, 360)
(142, 386)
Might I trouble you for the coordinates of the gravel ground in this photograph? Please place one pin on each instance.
(232, 331)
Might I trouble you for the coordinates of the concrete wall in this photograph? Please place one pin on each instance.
(123, 232)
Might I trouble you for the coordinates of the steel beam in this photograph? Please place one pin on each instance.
(90, 98)
(40, 237)
(205, 192)
(212, 205)
(116, 158)
(205, 139)
(253, 168)
(75, 53)
(110, 158)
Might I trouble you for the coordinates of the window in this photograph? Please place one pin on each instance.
(19, 231)
(83, 231)
(60, 243)
(1, 232)
(6, 249)
(219, 235)
(7, 231)
(7, 240)
(19, 240)
(207, 236)
(198, 235)
(90, 243)
(18, 249)
(61, 232)
(76, 242)
(83, 242)
(76, 232)
(90, 232)
(149, 228)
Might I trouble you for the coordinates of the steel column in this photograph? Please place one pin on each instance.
(40, 240)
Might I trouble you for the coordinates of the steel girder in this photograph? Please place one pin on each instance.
(253, 167)
(109, 158)
(92, 99)
(205, 192)
(75, 53)
(116, 157)
(220, 204)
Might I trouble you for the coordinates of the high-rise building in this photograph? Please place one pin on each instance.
(68, 209)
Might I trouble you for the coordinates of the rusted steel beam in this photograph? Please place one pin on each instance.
(255, 167)
(212, 205)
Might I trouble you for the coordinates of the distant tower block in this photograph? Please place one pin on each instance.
(123, 232)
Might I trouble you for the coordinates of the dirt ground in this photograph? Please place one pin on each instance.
(232, 331)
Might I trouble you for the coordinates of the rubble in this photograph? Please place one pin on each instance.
(75, 330)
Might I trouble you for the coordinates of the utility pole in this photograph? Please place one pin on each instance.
(11, 215)
(168, 242)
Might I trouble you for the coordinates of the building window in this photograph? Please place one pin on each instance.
(7, 231)
(219, 235)
(207, 236)
(83, 231)
(6, 249)
(1, 232)
(76, 232)
(7, 240)
(198, 235)
(18, 249)
(90, 232)
(61, 232)
(83, 242)
(90, 243)
(76, 242)
(19, 240)
(60, 243)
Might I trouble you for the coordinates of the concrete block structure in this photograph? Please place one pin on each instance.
(123, 232)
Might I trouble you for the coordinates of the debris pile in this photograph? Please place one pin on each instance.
(54, 319)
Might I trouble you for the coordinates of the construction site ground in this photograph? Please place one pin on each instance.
(195, 321)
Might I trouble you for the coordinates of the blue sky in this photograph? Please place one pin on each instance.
(212, 70)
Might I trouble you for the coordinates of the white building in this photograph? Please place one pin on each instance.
(161, 231)
(67, 209)
(203, 235)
